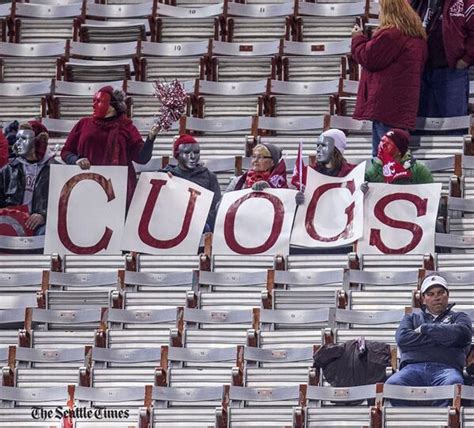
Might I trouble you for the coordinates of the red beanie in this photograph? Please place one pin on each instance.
(182, 139)
(41, 140)
(400, 137)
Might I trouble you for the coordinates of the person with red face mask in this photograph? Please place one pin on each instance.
(394, 163)
(109, 137)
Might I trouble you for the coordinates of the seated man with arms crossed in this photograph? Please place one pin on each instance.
(433, 343)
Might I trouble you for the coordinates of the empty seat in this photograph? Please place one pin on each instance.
(94, 62)
(306, 290)
(319, 415)
(139, 328)
(123, 367)
(246, 61)
(106, 23)
(217, 329)
(264, 406)
(177, 24)
(365, 289)
(326, 22)
(277, 367)
(293, 328)
(177, 407)
(42, 368)
(231, 290)
(201, 367)
(40, 23)
(249, 23)
(314, 61)
(182, 61)
(22, 101)
(379, 326)
(149, 290)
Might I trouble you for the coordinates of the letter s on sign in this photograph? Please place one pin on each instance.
(417, 232)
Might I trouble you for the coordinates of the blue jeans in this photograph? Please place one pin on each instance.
(425, 374)
(379, 129)
(444, 93)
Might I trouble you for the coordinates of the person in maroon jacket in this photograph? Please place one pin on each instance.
(392, 63)
(109, 137)
(445, 82)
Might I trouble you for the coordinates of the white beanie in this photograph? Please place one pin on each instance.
(339, 137)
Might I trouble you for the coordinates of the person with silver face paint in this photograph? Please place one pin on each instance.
(187, 152)
(330, 154)
(330, 158)
(25, 179)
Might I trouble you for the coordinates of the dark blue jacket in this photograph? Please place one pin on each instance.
(446, 340)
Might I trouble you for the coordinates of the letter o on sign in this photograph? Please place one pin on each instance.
(229, 224)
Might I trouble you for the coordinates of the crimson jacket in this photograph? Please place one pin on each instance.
(110, 141)
(389, 87)
(457, 28)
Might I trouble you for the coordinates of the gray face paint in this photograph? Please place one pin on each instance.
(189, 155)
(325, 149)
(25, 141)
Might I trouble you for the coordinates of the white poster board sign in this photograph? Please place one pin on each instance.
(332, 214)
(253, 223)
(400, 219)
(167, 215)
(86, 209)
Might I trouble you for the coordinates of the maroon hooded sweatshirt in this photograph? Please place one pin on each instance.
(110, 141)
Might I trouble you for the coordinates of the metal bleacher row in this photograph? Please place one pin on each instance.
(204, 347)
(208, 340)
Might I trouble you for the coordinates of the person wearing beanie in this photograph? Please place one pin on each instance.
(330, 158)
(433, 342)
(24, 181)
(268, 170)
(394, 162)
(392, 62)
(109, 137)
(187, 152)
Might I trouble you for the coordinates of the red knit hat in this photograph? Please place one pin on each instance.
(182, 139)
(400, 137)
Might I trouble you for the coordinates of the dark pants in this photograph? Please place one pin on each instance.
(444, 93)
(425, 374)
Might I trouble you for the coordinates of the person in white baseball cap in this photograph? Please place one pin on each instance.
(433, 342)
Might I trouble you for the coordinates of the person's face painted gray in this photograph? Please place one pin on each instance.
(325, 149)
(189, 155)
(25, 142)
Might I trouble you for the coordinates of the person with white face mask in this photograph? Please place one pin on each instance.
(187, 152)
(24, 181)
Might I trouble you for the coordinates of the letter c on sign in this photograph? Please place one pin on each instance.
(62, 213)
(417, 232)
(229, 224)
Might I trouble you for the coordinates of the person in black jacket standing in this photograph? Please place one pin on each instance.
(434, 342)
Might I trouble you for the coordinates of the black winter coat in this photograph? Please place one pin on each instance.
(12, 187)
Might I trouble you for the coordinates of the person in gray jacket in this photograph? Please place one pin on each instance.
(433, 343)
(188, 153)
